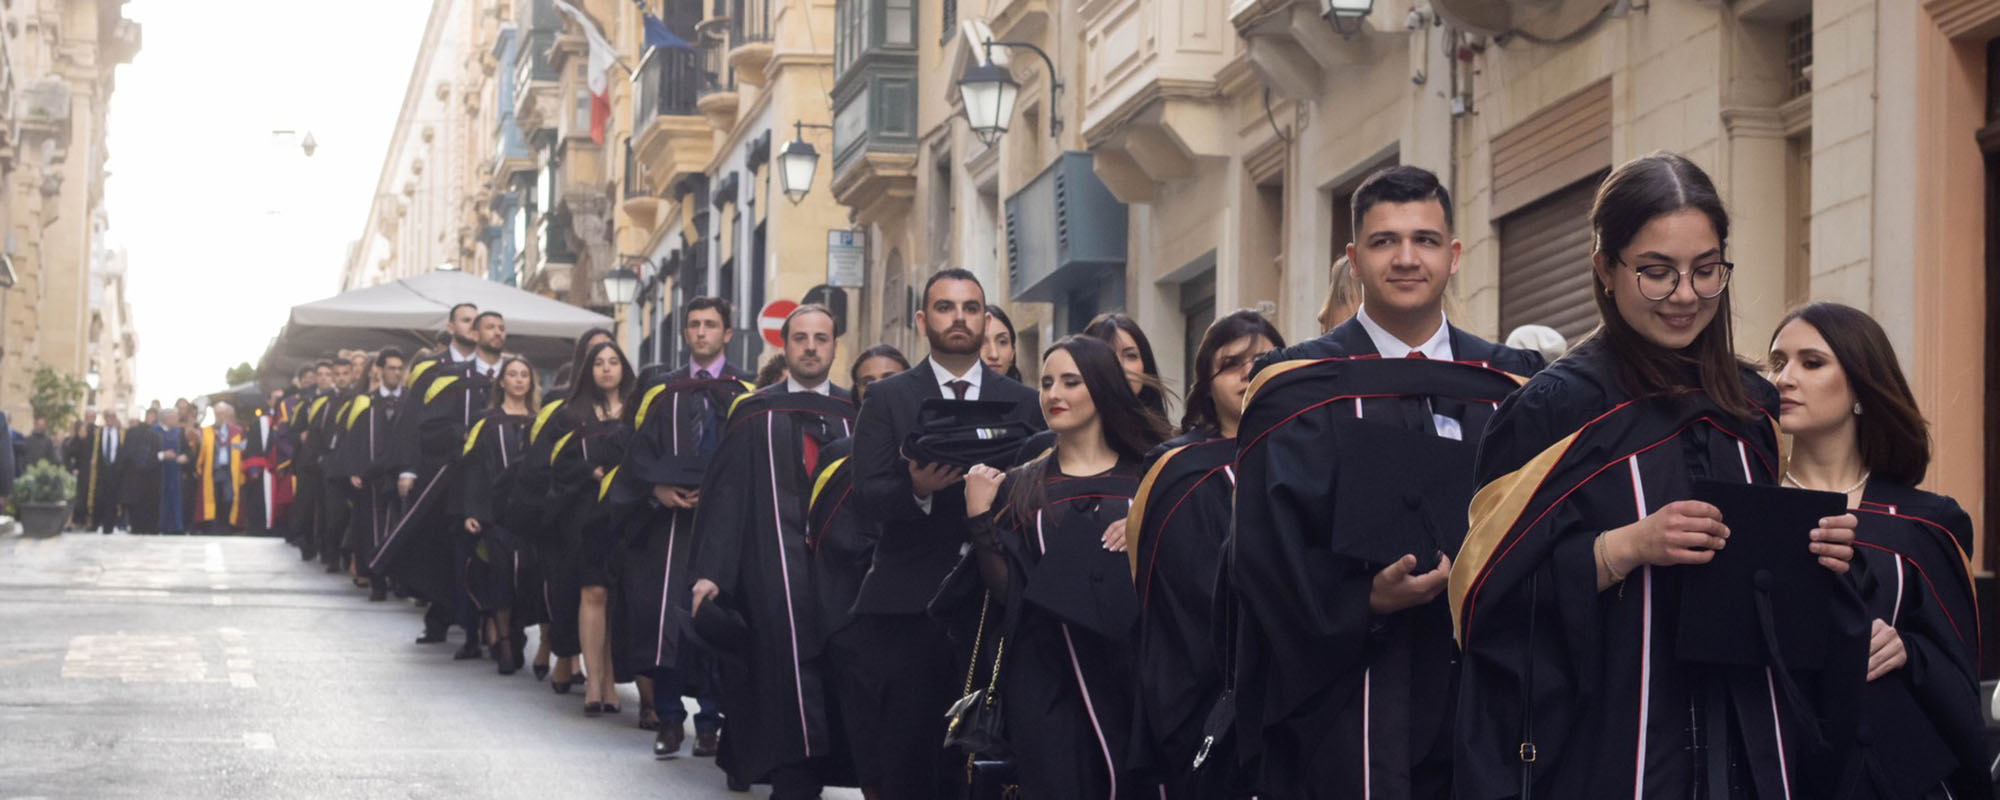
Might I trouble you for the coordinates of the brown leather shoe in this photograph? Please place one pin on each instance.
(667, 744)
(706, 745)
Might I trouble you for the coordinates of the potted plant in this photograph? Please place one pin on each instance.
(43, 497)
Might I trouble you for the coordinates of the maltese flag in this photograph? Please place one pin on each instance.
(602, 56)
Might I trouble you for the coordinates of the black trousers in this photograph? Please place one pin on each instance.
(903, 664)
(330, 528)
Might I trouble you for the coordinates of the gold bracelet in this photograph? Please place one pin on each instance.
(1604, 555)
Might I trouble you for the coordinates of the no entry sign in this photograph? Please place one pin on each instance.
(772, 318)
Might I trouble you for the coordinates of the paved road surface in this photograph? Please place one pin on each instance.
(190, 666)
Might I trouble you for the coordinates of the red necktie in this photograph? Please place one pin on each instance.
(959, 388)
(810, 449)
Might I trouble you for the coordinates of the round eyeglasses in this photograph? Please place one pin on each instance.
(1658, 282)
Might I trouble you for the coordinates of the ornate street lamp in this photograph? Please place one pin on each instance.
(1346, 15)
(987, 92)
(92, 379)
(797, 162)
(621, 285)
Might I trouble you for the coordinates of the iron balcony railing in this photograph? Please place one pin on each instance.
(668, 83)
(749, 22)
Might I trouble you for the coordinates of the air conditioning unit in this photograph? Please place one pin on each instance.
(1064, 230)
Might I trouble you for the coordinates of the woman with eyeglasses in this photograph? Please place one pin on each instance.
(1176, 528)
(1566, 592)
(1856, 430)
(1040, 534)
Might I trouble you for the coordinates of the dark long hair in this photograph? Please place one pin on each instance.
(1635, 193)
(586, 398)
(1239, 325)
(1895, 440)
(1105, 328)
(878, 351)
(999, 315)
(576, 361)
(1130, 429)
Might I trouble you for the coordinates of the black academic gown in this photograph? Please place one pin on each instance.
(495, 447)
(1613, 711)
(525, 512)
(750, 540)
(1176, 530)
(1331, 699)
(362, 452)
(1066, 661)
(417, 552)
(337, 497)
(141, 467)
(1923, 734)
(680, 425)
(583, 551)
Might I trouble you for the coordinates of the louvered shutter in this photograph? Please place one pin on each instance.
(1545, 263)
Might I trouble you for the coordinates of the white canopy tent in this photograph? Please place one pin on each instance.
(408, 313)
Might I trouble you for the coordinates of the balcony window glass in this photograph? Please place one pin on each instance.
(899, 22)
(850, 32)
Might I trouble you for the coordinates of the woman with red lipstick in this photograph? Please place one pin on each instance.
(1856, 429)
(1566, 591)
(1064, 661)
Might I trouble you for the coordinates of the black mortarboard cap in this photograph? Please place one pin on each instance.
(1764, 600)
(1398, 492)
(962, 433)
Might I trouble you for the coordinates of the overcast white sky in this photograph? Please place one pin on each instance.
(225, 229)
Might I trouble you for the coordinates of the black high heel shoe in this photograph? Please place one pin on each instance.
(593, 709)
(560, 687)
(541, 671)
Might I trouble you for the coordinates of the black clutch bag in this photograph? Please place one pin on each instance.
(962, 433)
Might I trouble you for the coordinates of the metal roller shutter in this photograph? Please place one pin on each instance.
(1545, 263)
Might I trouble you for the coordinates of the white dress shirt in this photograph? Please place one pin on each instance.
(1436, 348)
(824, 387)
(971, 376)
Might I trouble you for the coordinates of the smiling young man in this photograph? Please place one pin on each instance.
(1346, 671)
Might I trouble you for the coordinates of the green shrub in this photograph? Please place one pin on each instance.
(45, 483)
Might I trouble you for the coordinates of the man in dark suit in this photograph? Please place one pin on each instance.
(921, 511)
(39, 447)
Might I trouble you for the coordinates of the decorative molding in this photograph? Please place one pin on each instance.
(1753, 122)
(1958, 19)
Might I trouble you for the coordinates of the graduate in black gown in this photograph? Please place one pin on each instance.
(1566, 591)
(1856, 429)
(679, 425)
(363, 458)
(426, 545)
(841, 543)
(1177, 527)
(502, 562)
(1049, 535)
(1343, 659)
(528, 515)
(750, 556)
(583, 568)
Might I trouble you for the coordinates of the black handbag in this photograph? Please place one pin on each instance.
(973, 724)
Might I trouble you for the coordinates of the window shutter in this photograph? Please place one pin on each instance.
(1545, 263)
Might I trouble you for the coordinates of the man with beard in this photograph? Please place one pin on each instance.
(679, 426)
(425, 549)
(142, 462)
(921, 512)
(750, 557)
(324, 432)
(308, 488)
